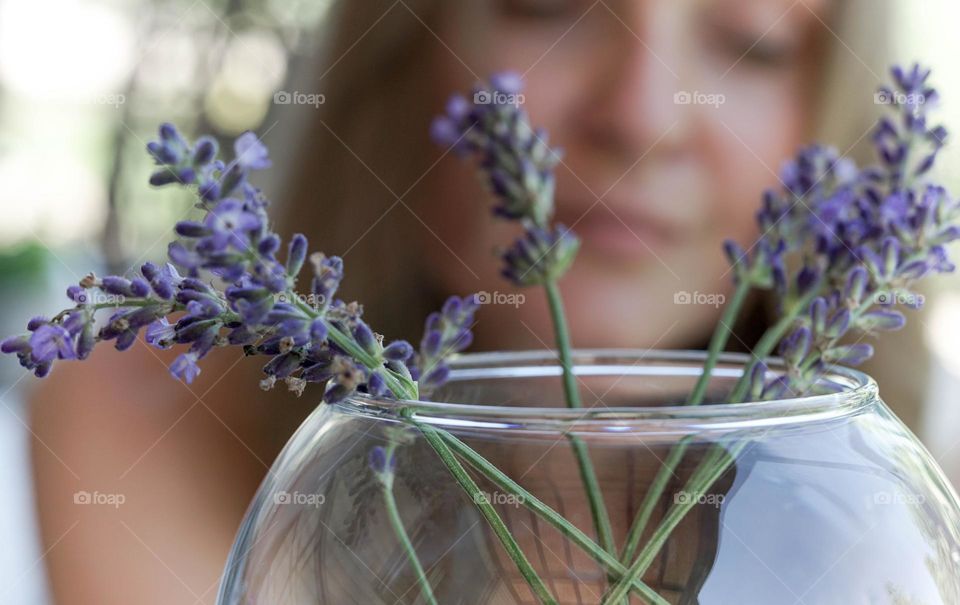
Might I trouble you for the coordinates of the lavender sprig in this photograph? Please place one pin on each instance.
(247, 299)
(446, 333)
(382, 462)
(518, 165)
(875, 239)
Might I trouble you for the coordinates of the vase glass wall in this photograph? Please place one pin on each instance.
(824, 499)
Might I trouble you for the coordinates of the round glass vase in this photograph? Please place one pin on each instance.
(826, 499)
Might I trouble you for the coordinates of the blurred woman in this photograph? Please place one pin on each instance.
(673, 116)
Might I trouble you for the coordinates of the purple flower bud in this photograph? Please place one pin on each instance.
(856, 285)
(328, 272)
(37, 322)
(78, 295)
(269, 245)
(169, 134)
(818, 314)
(365, 337)
(854, 354)
(297, 254)
(808, 278)
(435, 377)
(452, 307)
(191, 329)
(191, 229)
(15, 344)
(161, 153)
(838, 324)
(118, 286)
(758, 377)
(318, 330)
(242, 335)
(149, 270)
(507, 82)
(182, 257)
(377, 386)
(86, 341)
(209, 191)
(205, 150)
(125, 340)
(186, 175)
(890, 253)
(795, 347)
(283, 365)
(162, 280)
(445, 132)
(431, 344)
(42, 369)
(163, 177)
(881, 319)
(540, 255)
(139, 287)
(398, 350)
(734, 253)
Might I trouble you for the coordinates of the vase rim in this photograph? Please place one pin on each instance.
(859, 390)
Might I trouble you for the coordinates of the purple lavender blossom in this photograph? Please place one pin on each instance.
(865, 236)
(540, 256)
(49, 342)
(445, 334)
(518, 164)
(252, 303)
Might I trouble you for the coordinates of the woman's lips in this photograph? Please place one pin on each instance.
(620, 235)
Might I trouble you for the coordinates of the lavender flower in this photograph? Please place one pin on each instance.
(518, 165)
(251, 302)
(445, 333)
(866, 238)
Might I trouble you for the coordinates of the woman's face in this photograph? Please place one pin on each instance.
(673, 117)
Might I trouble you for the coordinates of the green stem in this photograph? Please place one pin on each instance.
(651, 498)
(393, 513)
(764, 347)
(718, 343)
(488, 511)
(598, 509)
(535, 505)
(717, 461)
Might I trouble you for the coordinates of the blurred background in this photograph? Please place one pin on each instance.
(83, 85)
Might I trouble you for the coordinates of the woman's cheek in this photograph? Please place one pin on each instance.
(747, 140)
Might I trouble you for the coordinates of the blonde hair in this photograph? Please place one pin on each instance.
(351, 161)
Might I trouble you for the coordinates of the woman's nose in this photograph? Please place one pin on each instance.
(636, 102)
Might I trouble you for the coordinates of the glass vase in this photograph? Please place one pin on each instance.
(823, 499)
